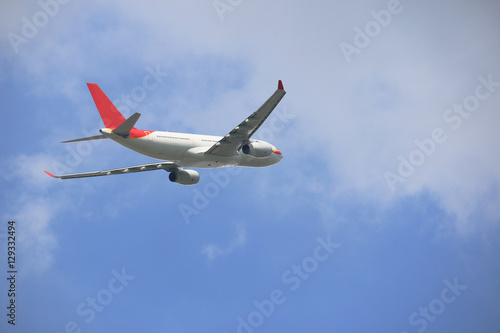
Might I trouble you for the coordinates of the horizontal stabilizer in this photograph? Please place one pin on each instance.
(127, 125)
(96, 137)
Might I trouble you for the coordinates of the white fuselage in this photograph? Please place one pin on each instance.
(188, 150)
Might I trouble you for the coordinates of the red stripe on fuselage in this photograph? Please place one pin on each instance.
(137, 133)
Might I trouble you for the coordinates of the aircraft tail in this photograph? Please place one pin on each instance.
(110, 115)
(112, 118)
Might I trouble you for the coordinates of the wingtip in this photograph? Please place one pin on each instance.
(280, 85)
(51, 175)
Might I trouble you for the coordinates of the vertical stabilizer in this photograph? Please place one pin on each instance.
(110, 115)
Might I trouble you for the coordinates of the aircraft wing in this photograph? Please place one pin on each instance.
(230, 143)
(168, 166)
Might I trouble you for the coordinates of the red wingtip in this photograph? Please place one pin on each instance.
(51, 175)
(280, 85)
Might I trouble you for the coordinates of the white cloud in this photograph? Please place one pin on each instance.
(359, 117)
(213, 251)
(36, 240)
(28, 170)
(32, 208)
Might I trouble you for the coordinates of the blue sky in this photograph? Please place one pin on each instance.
(382, 217)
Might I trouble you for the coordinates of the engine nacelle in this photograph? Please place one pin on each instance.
(257, 149)
(184, 177)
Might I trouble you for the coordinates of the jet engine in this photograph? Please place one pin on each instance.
(184, 177)
(257, 149)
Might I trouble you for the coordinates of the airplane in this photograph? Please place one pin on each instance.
(178, 151)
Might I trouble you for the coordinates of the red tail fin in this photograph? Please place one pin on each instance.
(110, 115)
